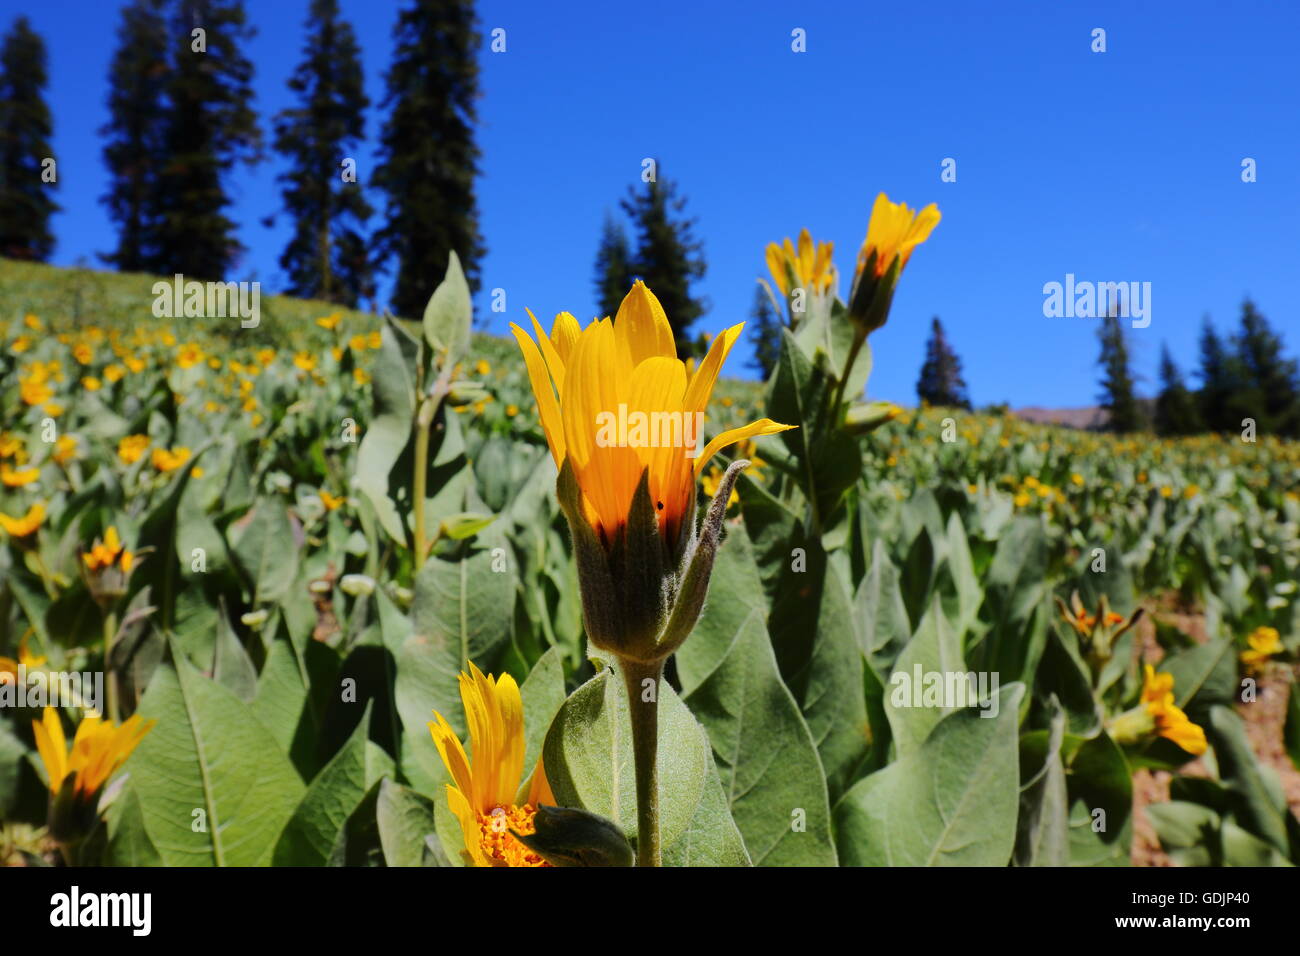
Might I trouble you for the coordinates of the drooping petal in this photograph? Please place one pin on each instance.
(764, 426)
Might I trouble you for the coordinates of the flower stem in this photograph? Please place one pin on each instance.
(110, 677)
(645, 753)
(423, 421)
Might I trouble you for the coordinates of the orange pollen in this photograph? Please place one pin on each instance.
(497, 842)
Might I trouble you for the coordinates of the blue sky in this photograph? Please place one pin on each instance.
(1115, 166)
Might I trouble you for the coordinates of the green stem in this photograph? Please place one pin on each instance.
(423, 421)
(645, 754)
(110, 678)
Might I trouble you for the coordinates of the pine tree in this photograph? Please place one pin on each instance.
(26, 186)
(668, 256)
(1220, 382)
(1176, 412)
(1118, 397)
(613, 267)
(134, 151)
(1271, 383)
(428, 158)
(941, 382)
(766, 325)
(209, 127)
(327, 257)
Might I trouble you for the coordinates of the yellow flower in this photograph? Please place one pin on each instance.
(482, 367)
(131, 447)
(357, 343)
(1191, 491)
(484, 789)
(360, 376)
(26, 525)
(189, 355)
(65, 449)
(512, 410)
(1264, 643)
(1022, 500)
(107, 553)
(582, 378)
(82, 353)
(136, 365)
(32, 322)
(329, 501)
(337, 352)
(1166, 491)
(810, 268)
(9, 666)
(1171, 722)
(19, 478)
(375, 340)
(98, 750)
(304, 361)
(34, 391)
(265, 356)
(21, 344)
(1076, 479)
(10, 445)
(166, 460)
(893, 233)
(330, 322)
(91, 384)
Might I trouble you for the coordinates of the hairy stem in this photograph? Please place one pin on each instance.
(645, 752)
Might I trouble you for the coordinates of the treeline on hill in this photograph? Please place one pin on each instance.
(182, 118)
(1247, 383)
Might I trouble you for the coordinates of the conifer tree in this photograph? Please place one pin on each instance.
(27, 176)
(941, 382)
(613, 268)
(1176, 412)
(1119, 397)
(428, 158)
(134, 152)
(210, 127)
(1271, 384)
(327, 257)
(668, 256)
(766, 324)
(1220, 382)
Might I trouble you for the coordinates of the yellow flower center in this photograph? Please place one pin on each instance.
(498, 843)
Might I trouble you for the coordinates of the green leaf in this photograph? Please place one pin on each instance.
(388, 432)
(449, 316)
(463, 611)
(464, 525)
(1204, 675)
(1257, 808)
(933, 650)
(405, 820)
(950, 803)
(128, 840)
(209, 754)
(265, 548)
(588, 757)
(767, 762)
(543, 695)
(323, 812)
(1042, 831)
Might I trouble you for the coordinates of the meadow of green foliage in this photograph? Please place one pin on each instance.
(291, 644)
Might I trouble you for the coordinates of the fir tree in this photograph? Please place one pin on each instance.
(668, 256)
(941, 382)
(1176, 412)
(27, 181)
(327, 256)
(210, 126)
(1118, 397)
(1220, 382)
(1271, 385)
(134, 151)
(613, 268)
(766, 324)
(428, 158)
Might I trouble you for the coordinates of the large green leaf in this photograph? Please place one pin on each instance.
(950, 803)
(405, 821)
(449, 315)
(214, 786)
(932, 656)
(588, 757)
(264, 545)
(388, 431)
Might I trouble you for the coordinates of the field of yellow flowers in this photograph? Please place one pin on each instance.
(343, 590)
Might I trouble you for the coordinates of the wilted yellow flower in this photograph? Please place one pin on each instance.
(131, 447)
(26, 525)
(1264, 643)
(166, 460)
(809, 268)
(893, 233)
(484, 789)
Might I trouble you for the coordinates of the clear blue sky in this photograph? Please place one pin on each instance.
(1115, 166)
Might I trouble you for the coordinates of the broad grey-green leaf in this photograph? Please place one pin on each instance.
(449, 315)
(916, 693)
(214, 786)
(588, 757)
(950, 803)
(405, 821)
(265, 547)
